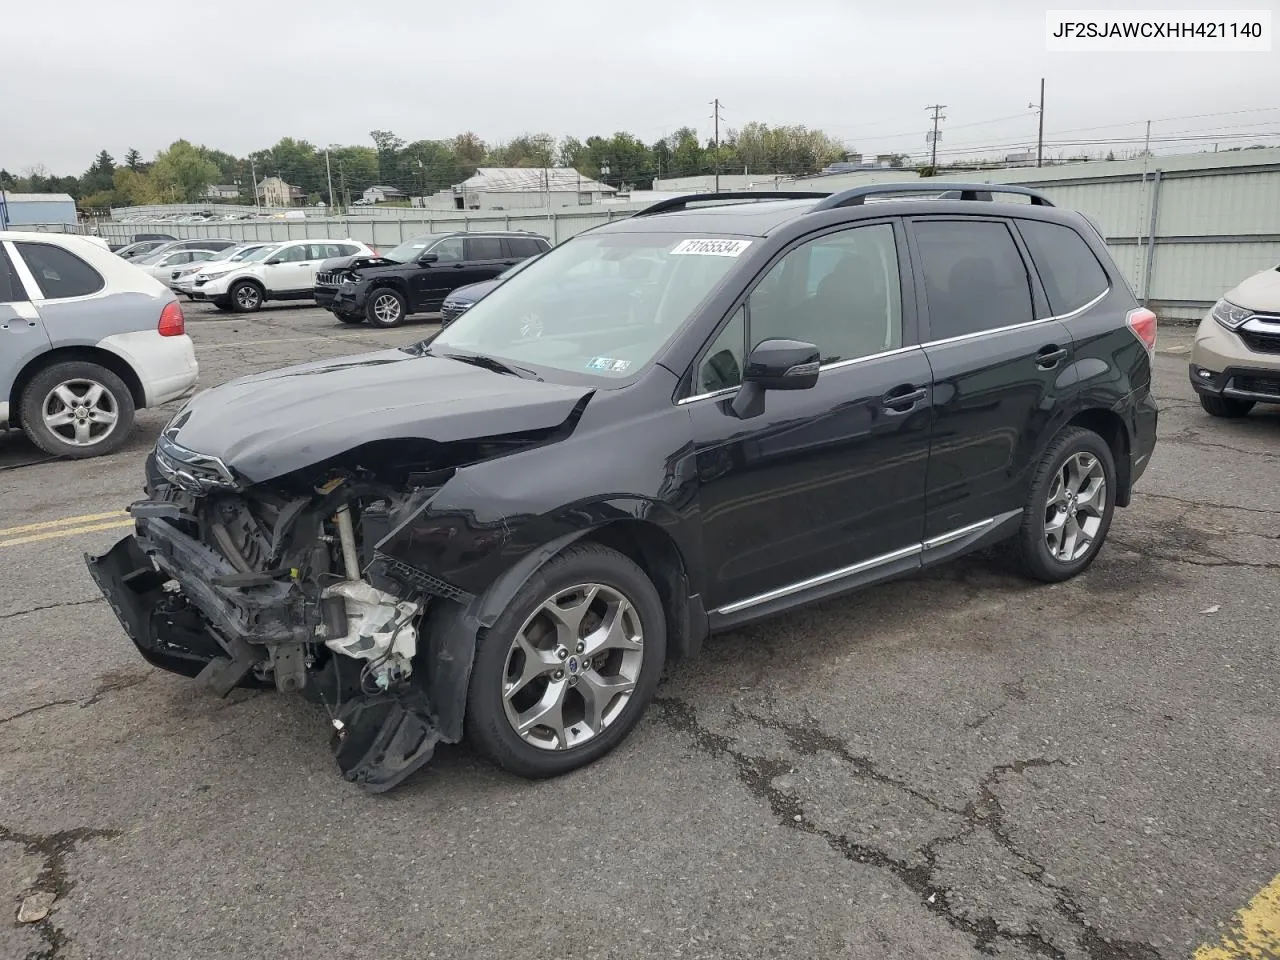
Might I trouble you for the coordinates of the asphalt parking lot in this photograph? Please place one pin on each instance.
(955, 765)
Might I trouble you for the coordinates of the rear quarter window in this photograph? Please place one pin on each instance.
(1069, 271)
(59, 273)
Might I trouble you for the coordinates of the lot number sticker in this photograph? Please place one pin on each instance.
(711, 248)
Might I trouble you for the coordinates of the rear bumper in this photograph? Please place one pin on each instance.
(1145, 418)
(166, 366)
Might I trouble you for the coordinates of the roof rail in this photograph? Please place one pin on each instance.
(682, 203)
(946, 191)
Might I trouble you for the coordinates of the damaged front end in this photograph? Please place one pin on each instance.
(282, 584)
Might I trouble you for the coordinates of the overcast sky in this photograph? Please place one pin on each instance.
(84, 75)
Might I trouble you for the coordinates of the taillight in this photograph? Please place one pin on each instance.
(172, 322)
(1143, 324)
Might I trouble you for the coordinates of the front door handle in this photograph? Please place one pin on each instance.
(1050, 356)
(903, 399)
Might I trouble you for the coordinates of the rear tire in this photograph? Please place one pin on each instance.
(246, 297)
(523, 663)
(385, 308)
(1225, 407)
(77, 409)
(1069, 508)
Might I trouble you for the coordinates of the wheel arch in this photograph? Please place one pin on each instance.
(453, 630)
(1110, 426)
(85, 354)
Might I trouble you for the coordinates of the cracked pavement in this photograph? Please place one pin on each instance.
(955, 765)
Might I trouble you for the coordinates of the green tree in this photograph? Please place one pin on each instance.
(183, 173)
(131, 187)
(469, 152)
(356, 168)
(133, 160)
(97, 179)
(390, 166)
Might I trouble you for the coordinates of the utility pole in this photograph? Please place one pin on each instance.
(1146, 147)
(1040, 138)
(937, 109)
(328, 172)
(342, 183)
(254, 171)
(716, 117)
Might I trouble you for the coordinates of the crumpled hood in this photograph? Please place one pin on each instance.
(1260, 292)
(269, 424)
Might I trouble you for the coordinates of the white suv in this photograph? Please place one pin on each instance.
(86, 338)
(183, 279)
(287, 272)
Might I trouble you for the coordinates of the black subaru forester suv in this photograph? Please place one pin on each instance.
(756, 401)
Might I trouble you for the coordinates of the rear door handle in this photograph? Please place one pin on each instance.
(1049, 356)
(903, 399)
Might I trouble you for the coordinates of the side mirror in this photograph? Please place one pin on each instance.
(428, 258)
(273, 261)
(776, 365)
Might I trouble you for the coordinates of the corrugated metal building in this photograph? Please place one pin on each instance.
(28, 209)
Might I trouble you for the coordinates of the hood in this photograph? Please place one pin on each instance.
(341, 263)
(472, 291)
(1260, 292)
(269, 424)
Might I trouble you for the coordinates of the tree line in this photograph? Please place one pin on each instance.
(183, 172)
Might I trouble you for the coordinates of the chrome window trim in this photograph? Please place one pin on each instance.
(1079, 310)
(862, 566)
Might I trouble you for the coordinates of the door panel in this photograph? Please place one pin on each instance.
(294, 272)
(828, 477)
(446, 274)
(22, 332)
(997, 370)
(824, 478)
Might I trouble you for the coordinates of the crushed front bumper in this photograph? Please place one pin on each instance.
(227, 629)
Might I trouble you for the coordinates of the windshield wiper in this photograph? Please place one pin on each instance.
(488, 363)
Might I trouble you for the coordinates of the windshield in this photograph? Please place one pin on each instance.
(411, 249)
(254, 254)
(602, 304)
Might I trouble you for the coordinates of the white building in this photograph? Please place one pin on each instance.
(519, 188)
(274, 192)
(381, 194)
(222, 191)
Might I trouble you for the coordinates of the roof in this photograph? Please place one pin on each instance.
(530, 179)
(386, 189)
(38, 197)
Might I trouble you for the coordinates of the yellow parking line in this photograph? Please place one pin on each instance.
(1254, 933)
(67, 532)
(64, 522)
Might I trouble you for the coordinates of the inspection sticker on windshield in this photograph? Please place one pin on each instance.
(711, 248)
(608, 363)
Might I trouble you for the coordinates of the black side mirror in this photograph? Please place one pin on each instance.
(428, 258)
(776, 365)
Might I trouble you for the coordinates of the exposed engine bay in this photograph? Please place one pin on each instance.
(283, 584)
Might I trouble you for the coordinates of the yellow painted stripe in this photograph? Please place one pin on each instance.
(1254, 933)
(68, 532)
(64, 522)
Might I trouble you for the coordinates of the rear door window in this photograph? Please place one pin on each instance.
(1071, 274)
(59, 273)
(974, 277)
(484, 248)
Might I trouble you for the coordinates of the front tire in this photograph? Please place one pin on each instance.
(1225, 407)
(77, 409)
(1069, 509)
(246, 297)
(569, 667)
(386, 308)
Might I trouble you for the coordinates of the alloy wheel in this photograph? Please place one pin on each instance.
(573, 666)
(1076, 504)
(387, 308)
(247, 296)
(80, 412)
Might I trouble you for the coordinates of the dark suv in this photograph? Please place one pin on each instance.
(513, 525)
(416, 276)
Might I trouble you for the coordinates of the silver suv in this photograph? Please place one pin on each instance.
(86, 338)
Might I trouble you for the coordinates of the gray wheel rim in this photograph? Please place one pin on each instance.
(386, 308)
(573, 667)
(80, 412)
(1076, 504)
(247, 296)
